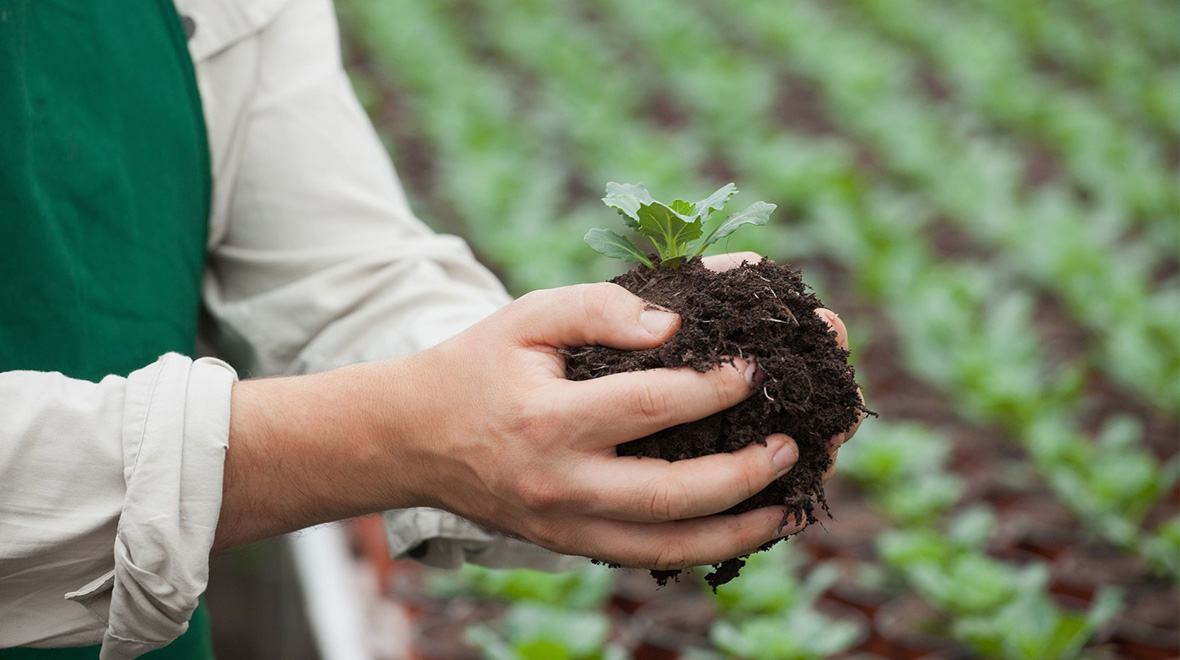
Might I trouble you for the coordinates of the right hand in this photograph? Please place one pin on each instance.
(488, 427)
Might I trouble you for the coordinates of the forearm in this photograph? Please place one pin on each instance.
(310, 449)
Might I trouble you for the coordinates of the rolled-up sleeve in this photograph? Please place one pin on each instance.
(109, 499)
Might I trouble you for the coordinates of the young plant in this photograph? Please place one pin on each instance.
(585, 588)
(537, 632)
(673, 228)
(770, 584)
(974, 584)
(800, 633)
(770, 613)
(902, 468)
(905, 549)
(1110, 484)
(1033, 627)
(1162, 549)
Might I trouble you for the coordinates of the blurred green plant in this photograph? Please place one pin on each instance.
(1000, 609)
(1033, 627)
(770, 612)
(1162, 549)
(799, 633)
(771, 584)
(902, 466)
(1111, 483)
(583, 588)
(532, 631)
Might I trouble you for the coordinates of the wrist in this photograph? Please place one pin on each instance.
(309, 449)
(413, 435)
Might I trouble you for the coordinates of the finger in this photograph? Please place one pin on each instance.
(587, 315)
(859, 418)
(621, 407)
(683, 543)
(655, 490)
(831, 468)
(723, 262)
(837, 325)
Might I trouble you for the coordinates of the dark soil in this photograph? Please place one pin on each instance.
(762, 312)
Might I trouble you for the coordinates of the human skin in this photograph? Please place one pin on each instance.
(485, 425)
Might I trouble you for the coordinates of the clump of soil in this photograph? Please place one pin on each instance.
(761, 311)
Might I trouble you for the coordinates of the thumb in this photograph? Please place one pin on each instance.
(591, 314)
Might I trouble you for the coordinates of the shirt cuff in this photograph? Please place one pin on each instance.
(443, 540)
(175, 435)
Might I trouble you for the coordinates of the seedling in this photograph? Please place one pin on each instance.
(974, 584)
(585, 588)
(532, 631)
(763, 309)
(771, 585)
(1162, 549)
(1034, 627)
(799, 633)
(673, 228)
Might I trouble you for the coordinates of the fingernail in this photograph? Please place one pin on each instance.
(785, 457)
(747, 369)
(656, 321)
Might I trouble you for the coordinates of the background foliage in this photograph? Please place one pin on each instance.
(985, 190)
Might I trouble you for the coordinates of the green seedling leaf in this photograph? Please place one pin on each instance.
(684, 208)
(670, 231)
(672, 228)
(972, 527)
(757, 213)
(627, 199)
(799, 633)
(616, 245)
(714, 202)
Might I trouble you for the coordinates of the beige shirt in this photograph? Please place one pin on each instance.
(110, 492)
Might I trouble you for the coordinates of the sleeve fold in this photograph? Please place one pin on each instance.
(174, 437)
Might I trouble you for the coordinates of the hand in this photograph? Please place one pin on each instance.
(516, 447)
(485, 425)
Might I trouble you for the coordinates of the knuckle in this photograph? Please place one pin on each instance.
(597, 299)
(757, 474)
(533, 299)
(668, 500)
(756, 535)
(517, 320)
(650, 404)
(520, 416)
(546, 535)
(537, 494)
(670, 557)
(727, 386)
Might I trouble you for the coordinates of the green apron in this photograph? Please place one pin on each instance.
(104, 202)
